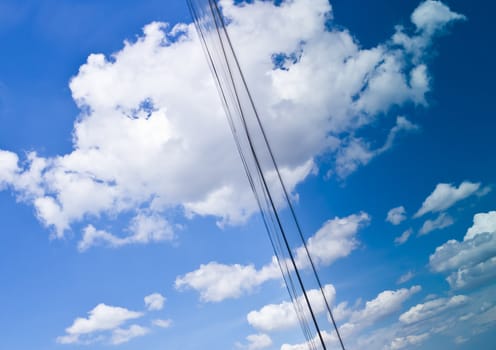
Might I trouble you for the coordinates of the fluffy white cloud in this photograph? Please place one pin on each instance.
(431, 16)
(386, 303)
(483, 222)
(140, 142)
(258, 341)
(144, 228)
(403, 237)
(154, 301)
(396, 215)
(335, 239)
(472, 260)
(431, 308)
(8, 167)
(446, 195)
(123, 335)
(275, 317)
(442, 221)
(216, 282)
(101, 318)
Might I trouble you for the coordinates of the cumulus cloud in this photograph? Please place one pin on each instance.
(471, 261)
(216, 282)
(154, 301)
(431, 16)
(396, 215)
(335, 239)
(8, 167)
(101, 318)
(274, 317)
(258, 341)
(143, 228)
(446, 195)
(140, 140)
(442, 221)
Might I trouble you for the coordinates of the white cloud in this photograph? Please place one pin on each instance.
(483, 222)
(274, 317)
(431, 308)
(8, 167)
(442, 221)
(383, 305)
(431, 16)
(144, 228)
(123, 335)
(403, 237)
(445, 195)
(162, 323)
(405, 277)
(258, 341)
(396, 215)
(101, 318)
(408, 341)
(355, 152)
(216, 282)
(140, 142)
(154, 301)
(471, 261)
(335, 239)
(386, 303)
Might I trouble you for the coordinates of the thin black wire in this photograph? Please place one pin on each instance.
(218, 17)
(293, 214)
(250, 141)
(286, 275)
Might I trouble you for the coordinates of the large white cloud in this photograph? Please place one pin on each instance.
(152, 133)
(473, 260)
(216, 282)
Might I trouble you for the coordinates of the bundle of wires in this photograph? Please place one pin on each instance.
(258, 160)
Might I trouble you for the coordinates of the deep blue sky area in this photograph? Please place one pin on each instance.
(47, 283)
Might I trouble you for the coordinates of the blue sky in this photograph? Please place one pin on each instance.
(126, 218)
